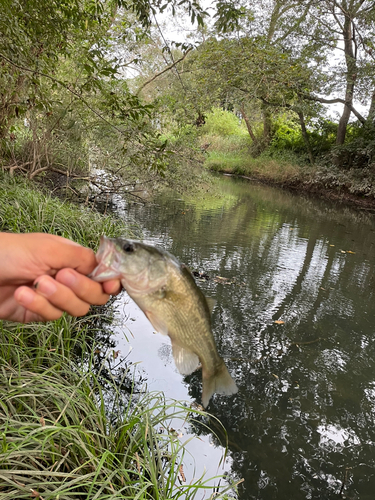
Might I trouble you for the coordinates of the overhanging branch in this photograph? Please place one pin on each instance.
(310, 97)
(164, 70)
(67, 87)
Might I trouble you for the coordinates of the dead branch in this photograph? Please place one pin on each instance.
(37, 172)
(15, 166)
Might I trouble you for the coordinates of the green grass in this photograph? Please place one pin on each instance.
(23, 208)
(232, 154)
(68, 432)
(263, 167)
(71, 427)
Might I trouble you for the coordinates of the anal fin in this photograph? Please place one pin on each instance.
(186, 361)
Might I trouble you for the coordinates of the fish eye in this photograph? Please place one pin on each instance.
(128, 247)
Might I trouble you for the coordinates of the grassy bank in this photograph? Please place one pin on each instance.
(354, 186)
(262, 168)
(72, 425)
(229, 149)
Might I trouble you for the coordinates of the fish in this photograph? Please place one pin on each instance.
(166, 292)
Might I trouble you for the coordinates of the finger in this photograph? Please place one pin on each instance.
(35, 254)
(37, 307)
(112, 287)
(62, 253)
(83, 287)
(60, 296)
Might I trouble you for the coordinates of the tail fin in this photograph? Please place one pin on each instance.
(220, 382)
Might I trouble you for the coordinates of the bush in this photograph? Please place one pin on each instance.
(322, 136)
(287, 134)
(221, 122)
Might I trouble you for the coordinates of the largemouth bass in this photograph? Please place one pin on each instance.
(166, 292)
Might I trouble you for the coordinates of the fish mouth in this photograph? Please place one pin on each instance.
(106, 258)
(110, 258)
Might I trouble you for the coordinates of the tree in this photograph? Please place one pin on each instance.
(283, 55)
(255, 74)
(349, 27)
(59, 58)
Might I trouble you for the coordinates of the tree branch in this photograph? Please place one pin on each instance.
(333, 101)
(309, 97)
(67, 87)
(164, 71)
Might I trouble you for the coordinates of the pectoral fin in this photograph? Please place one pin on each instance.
(186, 361)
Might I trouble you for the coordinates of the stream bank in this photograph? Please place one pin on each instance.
(355, 187)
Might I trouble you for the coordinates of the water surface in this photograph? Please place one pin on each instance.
(294, 320)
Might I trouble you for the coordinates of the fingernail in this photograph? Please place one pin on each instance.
(46, 286)
(25, 296)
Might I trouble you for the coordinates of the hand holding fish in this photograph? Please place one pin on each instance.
(42, 275)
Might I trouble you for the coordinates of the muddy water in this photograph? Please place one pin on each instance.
(295, 321)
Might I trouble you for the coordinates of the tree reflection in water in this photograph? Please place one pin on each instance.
(302, 424)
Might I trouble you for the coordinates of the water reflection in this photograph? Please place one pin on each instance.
(302, 424)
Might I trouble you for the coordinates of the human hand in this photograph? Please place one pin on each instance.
(43, 275)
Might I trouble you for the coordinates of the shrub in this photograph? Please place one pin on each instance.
(287, 135)
(221, 122)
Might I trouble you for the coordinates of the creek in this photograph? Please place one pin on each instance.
(293, 278)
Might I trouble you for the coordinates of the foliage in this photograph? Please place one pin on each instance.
(322, 135)
(187, 158)
(223, 123)
(357, 182)
(63, 92)
(287, 134)
(68, 79)
(271, 63)
(359, 153)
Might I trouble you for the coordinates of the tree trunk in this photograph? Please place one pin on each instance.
(305, 136)
(267, 124)
(248, 124)
(370, 121)
(351, 74)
